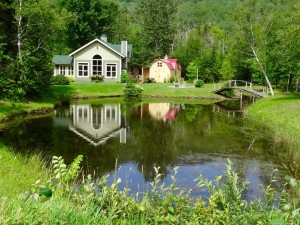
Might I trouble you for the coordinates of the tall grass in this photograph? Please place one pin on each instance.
(71, 198)
(18, 172)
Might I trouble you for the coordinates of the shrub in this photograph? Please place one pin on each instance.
(173, 79)
(150, 80)
(97, 78)
(132, 90)
(124, 77)
(71, 79)
(199, 83)
(10, 91)
(60, 80)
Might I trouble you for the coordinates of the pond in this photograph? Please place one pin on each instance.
(127, 140)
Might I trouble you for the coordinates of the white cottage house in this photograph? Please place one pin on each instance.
(97, 57)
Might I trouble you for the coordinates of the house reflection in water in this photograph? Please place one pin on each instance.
(163, 111)
(97, 124)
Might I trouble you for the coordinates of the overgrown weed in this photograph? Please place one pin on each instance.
(72, 198)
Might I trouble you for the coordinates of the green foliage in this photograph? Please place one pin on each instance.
(10, 91)
(156, 22)
(85, 17)
(71, 79)
(60, 80)
(226, 70)
(191, 71)
(125, 77)
(74, 169)
(97, 78)
(132, 90)
(199, 83)
(90, 200)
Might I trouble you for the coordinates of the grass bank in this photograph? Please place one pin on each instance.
(83, 90)
(280, 113)
(60, 93)
(9, 109)
(18, 172)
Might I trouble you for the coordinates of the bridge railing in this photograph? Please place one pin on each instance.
(242, 84)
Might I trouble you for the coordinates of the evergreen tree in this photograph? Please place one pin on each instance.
(157, 26)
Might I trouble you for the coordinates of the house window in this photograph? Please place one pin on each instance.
(71, 71)
(62, 70)
(83, 69)
(159, 64)
(97, 65)
(111, 70)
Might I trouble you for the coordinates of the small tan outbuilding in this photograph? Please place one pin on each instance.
(162, 70)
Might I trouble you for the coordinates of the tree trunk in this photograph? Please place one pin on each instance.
(288, 82)
(262, 68)
(19, 34)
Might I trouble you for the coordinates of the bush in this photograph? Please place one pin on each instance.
(124, 77)
(10, 91)
(132, 90)
(71, 79)
(60, 80)
(199, 83)
(97, 78)
(150, 80)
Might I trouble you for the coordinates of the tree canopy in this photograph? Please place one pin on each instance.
(253, 40)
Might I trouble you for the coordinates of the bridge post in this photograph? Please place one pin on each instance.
(250, 86)
(235, 83)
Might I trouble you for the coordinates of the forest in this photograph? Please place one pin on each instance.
(253, 40)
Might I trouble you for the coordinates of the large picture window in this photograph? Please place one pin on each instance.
(97, 65)
(111, 70)
(83, 69)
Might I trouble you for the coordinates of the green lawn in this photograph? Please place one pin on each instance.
(112, 89)
(12, 108)
(281, 113)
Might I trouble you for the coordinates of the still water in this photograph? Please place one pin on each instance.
(126, 140)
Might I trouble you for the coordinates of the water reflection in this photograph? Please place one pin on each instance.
(139, 137)
(97, 124)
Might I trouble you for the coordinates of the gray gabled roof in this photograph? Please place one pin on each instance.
(100, 41)
(62, 60)
(117, 47)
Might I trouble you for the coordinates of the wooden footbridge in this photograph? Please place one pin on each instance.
(241, 86)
